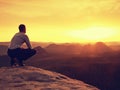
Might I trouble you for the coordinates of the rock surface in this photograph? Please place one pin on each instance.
(31, 78)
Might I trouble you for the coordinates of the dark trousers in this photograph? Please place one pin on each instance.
(20, 54)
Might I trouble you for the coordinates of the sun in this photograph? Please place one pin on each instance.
(93, 33)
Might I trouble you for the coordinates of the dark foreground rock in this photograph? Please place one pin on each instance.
(31, 78)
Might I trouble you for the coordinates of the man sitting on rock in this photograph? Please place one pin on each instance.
(16, 53)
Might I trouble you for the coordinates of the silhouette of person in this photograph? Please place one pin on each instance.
(15, 52)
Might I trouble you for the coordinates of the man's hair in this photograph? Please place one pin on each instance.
(21, 27)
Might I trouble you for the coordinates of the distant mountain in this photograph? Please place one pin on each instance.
(68, 49)
(41, 52)
(31, 78)
(34, 44)
(84, 50)
(87, 50)
(42, 44)
(96, 49)
(64, 48)
(101, 48)
(4, 43)
(54, 48)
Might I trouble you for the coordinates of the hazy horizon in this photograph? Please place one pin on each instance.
(112, 42)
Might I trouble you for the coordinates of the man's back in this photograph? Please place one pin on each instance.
(18, 40)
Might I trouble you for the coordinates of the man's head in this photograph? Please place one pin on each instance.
(22, 28)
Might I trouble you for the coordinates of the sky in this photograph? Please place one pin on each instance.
(61, 20)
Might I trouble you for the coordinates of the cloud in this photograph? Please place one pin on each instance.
(60, 10)
(63, 7)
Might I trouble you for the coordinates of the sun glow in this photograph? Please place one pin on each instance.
(93, 33)
(61, 20)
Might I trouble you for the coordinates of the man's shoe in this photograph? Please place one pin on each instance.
(22, 65)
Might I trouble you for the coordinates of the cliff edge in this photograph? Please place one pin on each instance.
(32, 78)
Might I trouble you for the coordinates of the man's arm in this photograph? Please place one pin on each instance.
(27, 41)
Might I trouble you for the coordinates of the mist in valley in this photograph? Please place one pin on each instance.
(96, 64)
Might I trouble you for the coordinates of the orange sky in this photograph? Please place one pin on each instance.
(61, 20)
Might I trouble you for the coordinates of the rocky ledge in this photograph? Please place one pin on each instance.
(32, 78)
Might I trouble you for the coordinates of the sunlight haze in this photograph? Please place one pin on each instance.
(61, 20)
